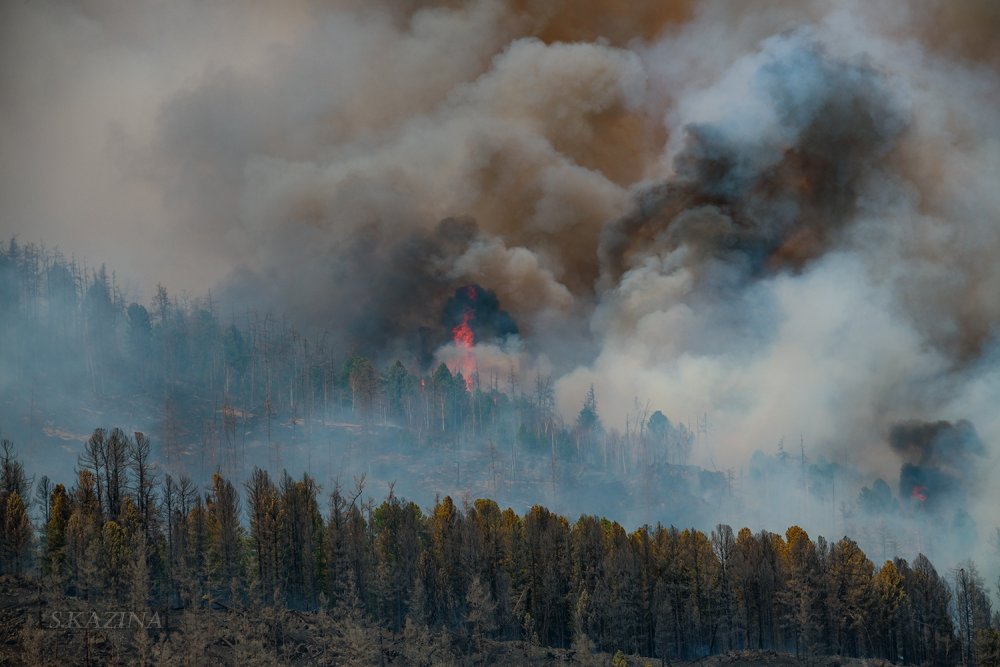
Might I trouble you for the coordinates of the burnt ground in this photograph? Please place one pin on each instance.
(219, 636)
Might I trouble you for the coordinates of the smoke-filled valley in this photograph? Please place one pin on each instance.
(677, 263)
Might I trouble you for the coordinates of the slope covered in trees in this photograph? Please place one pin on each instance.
(289, 572)
(226, 392)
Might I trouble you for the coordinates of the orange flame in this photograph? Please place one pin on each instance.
(463, 333)
(919, 493)
(464, 339)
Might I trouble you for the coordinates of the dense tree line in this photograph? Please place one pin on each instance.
(458, 575)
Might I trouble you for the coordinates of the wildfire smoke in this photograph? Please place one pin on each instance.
(792, 230)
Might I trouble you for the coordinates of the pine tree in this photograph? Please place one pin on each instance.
(356, 641)
(116, 552)
(83, 546)
(16, 536)
(139, 452)
(849, 581)
(480, 615)
(445, 534)
(972, 608)
(418, 647)
(724, 547)
(891, 603)
(15, 527)
(224, 548)
(262, 498)
(801, 597)
(55, 529)
(12, 476)
(139, 598)
(301, 541)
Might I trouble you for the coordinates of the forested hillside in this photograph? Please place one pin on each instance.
(500, 332)
(314, 576)
(228, 391)
(239, 560)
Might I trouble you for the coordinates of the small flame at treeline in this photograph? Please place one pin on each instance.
(473, 315)
(940, 461)
(464, 339)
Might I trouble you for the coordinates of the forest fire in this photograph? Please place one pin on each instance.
(464, 338)
(473, 316)
(463, 332)
(436, 265)
(940, 461)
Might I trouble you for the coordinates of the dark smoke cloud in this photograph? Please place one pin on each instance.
(405, 284)
(479, 308)
(938, 443)
(940, 461)
(768, 185)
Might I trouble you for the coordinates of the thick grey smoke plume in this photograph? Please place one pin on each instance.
(776, 220)
(769, 183)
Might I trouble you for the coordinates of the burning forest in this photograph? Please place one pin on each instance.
(670, 263)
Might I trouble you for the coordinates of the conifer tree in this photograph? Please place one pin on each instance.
(15, 535)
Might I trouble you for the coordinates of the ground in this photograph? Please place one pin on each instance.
(228, 638)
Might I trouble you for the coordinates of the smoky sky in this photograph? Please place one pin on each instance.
(782, 217)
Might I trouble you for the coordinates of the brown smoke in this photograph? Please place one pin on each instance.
(965, 28)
